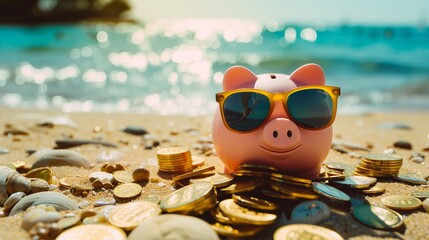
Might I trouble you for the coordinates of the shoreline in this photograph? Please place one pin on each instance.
(179, 130)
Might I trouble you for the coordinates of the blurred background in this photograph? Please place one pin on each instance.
(168, 57)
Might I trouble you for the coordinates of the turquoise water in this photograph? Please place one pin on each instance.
(176, 67)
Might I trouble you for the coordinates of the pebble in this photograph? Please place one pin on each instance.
(4, 151)
(94, 220)
(69, 143)
(418, 159)
(141, 174)
(83, 204)
(11, 130)
(68, 220)
(426, 204)
(104, 201)
(57, 121)
(13, 199)
(389, 151)
(350, 145)
(105, 211)
(100, 176)
(426, 148)
(39, 214)
(110, 156)
(38, 185)
(394, 125)
(403, 144)
(135, 130)
(311, 212)
(86, 214)
(61, 158)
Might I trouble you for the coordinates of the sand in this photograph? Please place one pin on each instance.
(189, 132)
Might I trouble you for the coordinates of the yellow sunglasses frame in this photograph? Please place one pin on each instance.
(333, 91)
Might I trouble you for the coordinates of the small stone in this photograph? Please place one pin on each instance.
(94, 220)
(104, 201)
(426, 204)
(97, 183)
(108, 168)
(119, 167)
(83, 204)
(105, 211)
(69, 143)
(107, 184)
(389, 151)
(426, 148)
(77, 189)
(86, 214)
(310, 212)
(4, 151)
(13, 199)
(394, 125)
(403, 145)
(100, 176)
(135, 130)
(38, 185)
(11, 130)
(418, 159)
(141, 174)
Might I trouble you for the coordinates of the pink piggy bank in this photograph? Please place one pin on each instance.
(277, 120)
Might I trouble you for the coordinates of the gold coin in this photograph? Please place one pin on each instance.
(245, 215)
(276, 195)
(127, 190)
(256, 167)
(123, 177)
(374, 190)
(220, 217)
(235, 231)
(193, 174)
(305, 231)
(197, 161)
(129, 215)
(172, 151)
(382, 157)
(184, 198)
(401, 202)
(243, 186)
(93, 232)
(291, 178)
(254, 203)
(248, 173)
(219, 180)
(295, 191)
(337, 166)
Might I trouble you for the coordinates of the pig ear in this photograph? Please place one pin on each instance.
(238, 77)
(309, 74)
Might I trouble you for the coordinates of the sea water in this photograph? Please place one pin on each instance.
(176, 66)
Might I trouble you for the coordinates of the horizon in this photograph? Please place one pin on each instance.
(329, 12)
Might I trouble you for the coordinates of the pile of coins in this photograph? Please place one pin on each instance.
(174, 160)
(248, 200)
(379, 165)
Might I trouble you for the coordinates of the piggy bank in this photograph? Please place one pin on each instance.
(277, 120)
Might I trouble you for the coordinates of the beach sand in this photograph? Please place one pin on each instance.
(188, 131)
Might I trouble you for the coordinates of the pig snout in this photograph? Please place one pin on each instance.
(281, 134)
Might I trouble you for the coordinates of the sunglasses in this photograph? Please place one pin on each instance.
(310, 107)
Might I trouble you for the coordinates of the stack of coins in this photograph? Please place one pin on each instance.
(379, 165)
(174, 160)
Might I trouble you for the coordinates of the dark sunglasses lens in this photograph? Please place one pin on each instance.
(311, 108)
(244, 111)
